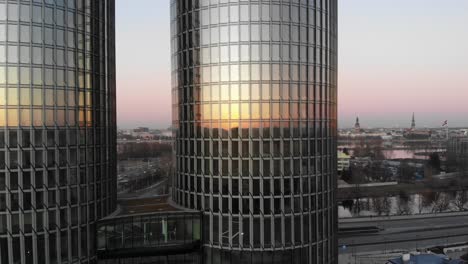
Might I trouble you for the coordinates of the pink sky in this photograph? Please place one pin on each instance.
(393, 61)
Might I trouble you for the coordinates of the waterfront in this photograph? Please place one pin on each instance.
(413, 204)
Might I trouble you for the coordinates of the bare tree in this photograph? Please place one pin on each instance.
(403, 204)
(420, 203)
(382, 205)
(460, 201)
(377, 206)
(376, 151)
(369, 148)
(387, 205)
(358, 178)
(441, 202)
(428, 199)
(360, 148)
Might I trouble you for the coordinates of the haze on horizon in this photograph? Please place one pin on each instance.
(395, 58)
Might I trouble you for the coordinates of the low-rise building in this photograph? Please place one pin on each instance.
(457, 150)
(344, 161)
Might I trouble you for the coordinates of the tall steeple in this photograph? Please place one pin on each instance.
(413, 122)
(357, 126)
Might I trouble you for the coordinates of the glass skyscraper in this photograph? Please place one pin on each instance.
(57, 128)
(255, 120)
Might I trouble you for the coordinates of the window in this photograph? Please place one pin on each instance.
(234, 53)
(234, 32)
(13, 33)
(12, 54)
(37, 55)
(255, 32)
(254, 13)
(13, 75)
(37, 35)
(2, 31)
(244, 33)
(12, 12)
(234, 14)
(244, 13)
(3, 11)
(25, 75)
(25, 35)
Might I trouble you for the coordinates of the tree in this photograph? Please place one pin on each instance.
(346, 175)
(420, 203)
(359, 149)
(348, 204)
(403, 204)
(358, 178)
(434, 161)
(382, 205)
(441, 202)
(346, 151)
(369, 148)
(376, 151)
(460, 201)
(143, 150)
(428, 199)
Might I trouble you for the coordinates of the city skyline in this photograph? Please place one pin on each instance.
(405, 62)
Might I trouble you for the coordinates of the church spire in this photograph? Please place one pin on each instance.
(357, 126)
(413, 122)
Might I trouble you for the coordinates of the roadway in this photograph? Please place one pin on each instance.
(404, 233)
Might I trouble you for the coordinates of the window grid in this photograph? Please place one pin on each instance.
(254, 112)
(57, 128)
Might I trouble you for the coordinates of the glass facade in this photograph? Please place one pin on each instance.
(57, 128)
(162, 237)
(255, 121)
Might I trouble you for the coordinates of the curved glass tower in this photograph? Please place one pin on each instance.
(254, 114)
(57, 128)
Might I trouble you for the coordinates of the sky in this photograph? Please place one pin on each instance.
(396, 57)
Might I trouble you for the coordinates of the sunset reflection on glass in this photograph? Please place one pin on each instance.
(264, 100)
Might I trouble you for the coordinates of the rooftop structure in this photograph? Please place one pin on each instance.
(150, 230)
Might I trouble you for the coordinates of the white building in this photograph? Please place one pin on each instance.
(344, 161)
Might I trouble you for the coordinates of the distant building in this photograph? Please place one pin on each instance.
(166, 133)
(457, 150)
(357, 126)
(416, 134)
(343, 161)
(141, 130)
(142, 133)
(424, 259)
